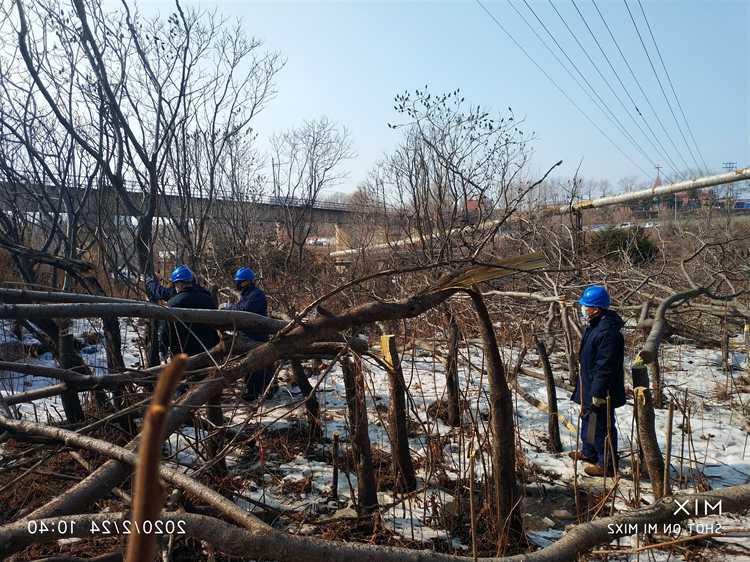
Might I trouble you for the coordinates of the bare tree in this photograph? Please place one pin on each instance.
(455, 169)
(213, 152)
(308, 158)
(115, 88)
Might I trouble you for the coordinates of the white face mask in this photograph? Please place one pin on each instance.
(583, 312)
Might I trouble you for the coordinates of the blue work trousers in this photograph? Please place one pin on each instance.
(597, 450)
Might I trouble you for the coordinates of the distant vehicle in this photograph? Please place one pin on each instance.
(596, 227)
(318, 242)
(651, 225)
(625, 225)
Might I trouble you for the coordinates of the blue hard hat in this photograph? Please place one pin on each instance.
(244, 274)
(595, 296)
(182, 274)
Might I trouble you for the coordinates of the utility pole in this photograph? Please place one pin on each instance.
(730, 167)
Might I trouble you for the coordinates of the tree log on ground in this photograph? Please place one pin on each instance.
(276, 545)
(222, 319)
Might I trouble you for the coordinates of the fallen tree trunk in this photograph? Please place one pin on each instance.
(22, 296)
(222, 319)
(112, 473)
(651, 346)
(276, 545)
(36, 394)
(239, 345)
(176, 477)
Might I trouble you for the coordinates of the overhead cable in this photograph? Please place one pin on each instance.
(648, 56)
(560, 89)
(612, 118)
(675, 96)
(665, 154)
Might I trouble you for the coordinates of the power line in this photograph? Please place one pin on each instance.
(559, 88)
(635, 106)
(675, 96)
(660, 86)
(625, 60)
(613, 119)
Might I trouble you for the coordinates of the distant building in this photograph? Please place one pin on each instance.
(476, 204)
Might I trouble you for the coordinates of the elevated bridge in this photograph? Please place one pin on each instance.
(105, 204)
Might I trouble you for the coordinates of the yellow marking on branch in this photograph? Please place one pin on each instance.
(640, 393)
(385, 348)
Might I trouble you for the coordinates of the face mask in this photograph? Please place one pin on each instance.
(583, 312)
(238, 285)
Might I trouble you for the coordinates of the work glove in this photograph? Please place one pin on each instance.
(145, 278)
(224, 306)
(599, 406)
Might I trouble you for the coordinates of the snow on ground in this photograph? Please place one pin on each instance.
(716, 443)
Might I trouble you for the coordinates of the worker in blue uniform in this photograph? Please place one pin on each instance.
(166, 293)
(189, 337)
(159, 291)
(252, 299)
(601, 375)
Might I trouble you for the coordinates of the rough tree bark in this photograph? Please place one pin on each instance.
(404, 479)
(451, 376)
(555, 445)
(502, 425)
(646, 429)
(367, 493)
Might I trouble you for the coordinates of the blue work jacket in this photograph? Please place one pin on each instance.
(601, 360)
(252, 299)
(168, 293)
(193, 337)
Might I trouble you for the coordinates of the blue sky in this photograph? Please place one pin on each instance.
(347, 61)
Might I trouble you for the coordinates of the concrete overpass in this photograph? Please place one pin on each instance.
(105, 204)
